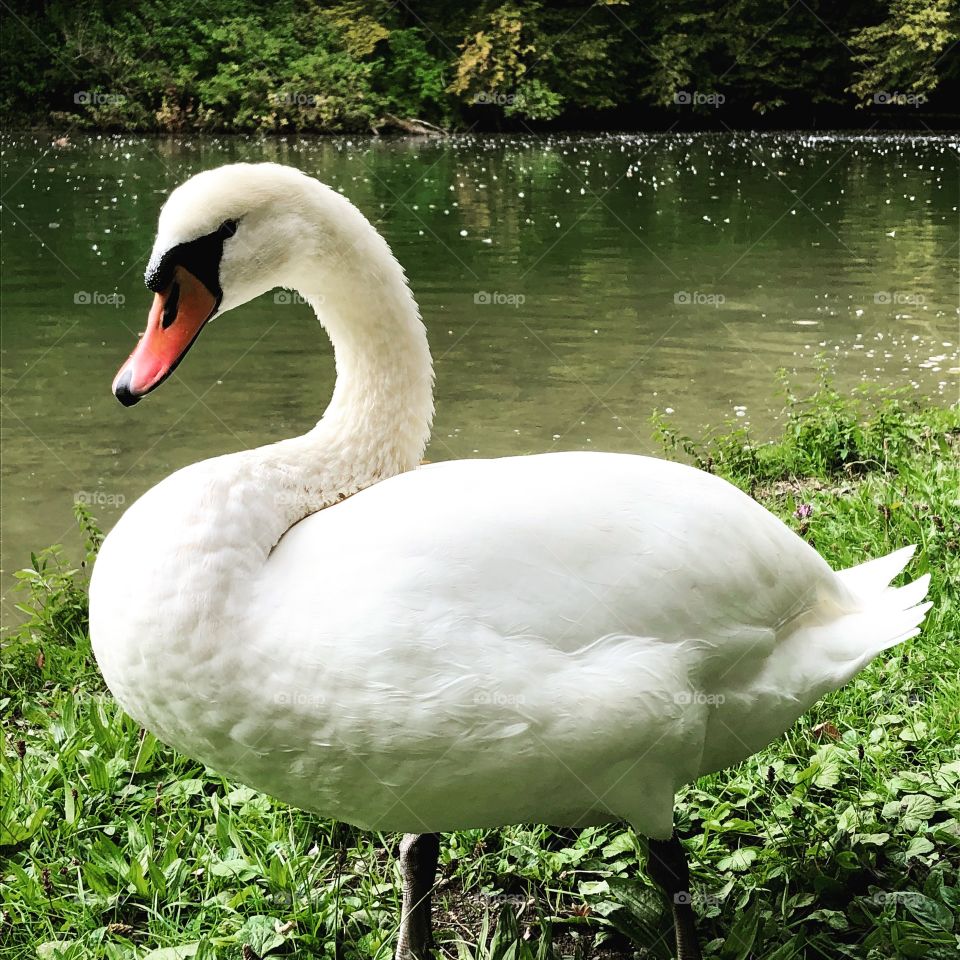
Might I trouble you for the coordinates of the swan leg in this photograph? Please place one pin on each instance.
(418, 865)
(667, 866)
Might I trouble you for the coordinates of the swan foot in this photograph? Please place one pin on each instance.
(667, 866)
(418, 865)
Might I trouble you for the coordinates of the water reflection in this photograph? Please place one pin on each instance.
(571, 286)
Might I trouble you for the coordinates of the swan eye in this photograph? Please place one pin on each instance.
(200, 256)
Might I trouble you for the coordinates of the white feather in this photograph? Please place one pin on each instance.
(564, 638)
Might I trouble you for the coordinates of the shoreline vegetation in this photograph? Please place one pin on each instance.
(371, 66)
(840, 839)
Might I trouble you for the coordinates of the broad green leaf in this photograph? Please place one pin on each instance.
(260, 933)
(929, 913)
(914, 732)
(622, 843)
(55, 949)
(917, 807)
(738, 860)
(834, 919)
(235, 867)
(174, 953)
(594, 887)
(14, 832)
(184, 788)
(918, 847)
(742, 934)
(873, 839)
(641, 916)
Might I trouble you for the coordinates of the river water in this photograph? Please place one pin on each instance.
(571, 287)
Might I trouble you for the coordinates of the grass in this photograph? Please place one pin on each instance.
(841, 839)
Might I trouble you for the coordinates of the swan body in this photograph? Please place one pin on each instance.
(563, 638)
(441, 652)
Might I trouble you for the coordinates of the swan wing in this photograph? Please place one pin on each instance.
(568, 548)
(481, 615)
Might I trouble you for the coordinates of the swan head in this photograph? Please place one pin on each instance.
(224, 237)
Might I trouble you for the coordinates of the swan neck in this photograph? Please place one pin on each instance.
(378, 420)
(380, 414)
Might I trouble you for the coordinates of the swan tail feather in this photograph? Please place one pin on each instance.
(820, 653)
(888, 615)
(868, 579)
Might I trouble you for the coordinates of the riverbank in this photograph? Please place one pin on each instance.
(290, 66)
(839, 839)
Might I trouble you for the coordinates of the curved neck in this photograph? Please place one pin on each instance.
(378, 421)
(194, 545)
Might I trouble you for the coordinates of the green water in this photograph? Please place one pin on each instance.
(624, 274)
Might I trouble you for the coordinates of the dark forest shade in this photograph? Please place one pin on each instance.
(243, 65)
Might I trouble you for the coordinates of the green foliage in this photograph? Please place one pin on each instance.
(825, 437)
(841, 839)
(907, 53)
(493, 58)
(324, 66)
(684, 47)
(53, 640)
(533, 100)
(411, 79)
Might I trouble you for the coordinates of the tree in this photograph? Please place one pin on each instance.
(909, 52)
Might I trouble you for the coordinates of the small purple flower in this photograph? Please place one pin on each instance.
(804, 511)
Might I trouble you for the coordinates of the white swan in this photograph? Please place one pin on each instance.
(565, 638)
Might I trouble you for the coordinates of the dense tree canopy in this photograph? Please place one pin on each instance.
(309, 65)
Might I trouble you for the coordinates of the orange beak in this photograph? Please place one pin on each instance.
(176, 318)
